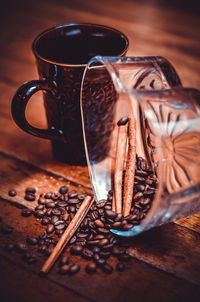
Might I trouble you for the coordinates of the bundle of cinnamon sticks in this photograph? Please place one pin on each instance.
(125, 154)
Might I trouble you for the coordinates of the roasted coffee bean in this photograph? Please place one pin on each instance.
(96, 249)
(99, 223)
(42, 235)
(107, 247)
(94, 215)
(131, 217)
(29, 197)
(32, 240)
(108, 207)
(65, 216)
(48, 213)
(81, 241)
(118, 217)
(104, 254)
(63, 190)
(12, 193)
(49, 250)
(48, 195)
(146, 201)
(100, 262)
(39, 213)
(123, 121)
(149, 192)
(73, 194)
(26, 212)
(56, 212)
(124, 257)
(62, 204)
(127, 226)
(120, 267)
(137, 196)
(116, 225)
(113, 240)
(107, 268)
(73, 201)
(30, 190)
(99, 237)
(64, 269)
(118, 250)
(72, 240)
(6, 229)
(91, 268)
(50, 204)
(60, 226)
(72, 209)
(96, 257)
(42, 249)
(103, 241)
(21, 247)
(74, 268)
(140, 188)
(101, 203)
(82, 196)
(93, 242)
(54, 219)
(82, 235)
(42, 242)
(141, 173)
(76, 249)
(110, 214)
(90, 237)
(42, 200)
(9, 247)
(64, 260)
(55, 196)
(40, 207)
(139, 178)
(59, 232)
(102, 230)
(50, 228)
(87, 254)
(59, 222)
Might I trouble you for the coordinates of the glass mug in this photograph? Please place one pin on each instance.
(62, 53)
(167, 116)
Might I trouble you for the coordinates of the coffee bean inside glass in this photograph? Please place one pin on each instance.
(62, 53)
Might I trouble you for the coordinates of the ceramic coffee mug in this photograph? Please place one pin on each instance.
(62, 53)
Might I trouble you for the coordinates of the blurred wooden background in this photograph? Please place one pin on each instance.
(166, 260)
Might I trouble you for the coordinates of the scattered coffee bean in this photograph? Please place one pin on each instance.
(63, 190)
(123, 121)
(50, 204)
(30, 190)
(21, 247)
(39, 214)
(87, 254)
(64, 269)
(29, 197)
(26, 212)
(124, 257)
(76, 249)
(74, 268)
(50, 228)
(32, 240)
(120, 267)
(12, 193)
(64, 260)
(107, 268)
(91, 268)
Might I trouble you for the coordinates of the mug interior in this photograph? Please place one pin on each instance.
(76, 44)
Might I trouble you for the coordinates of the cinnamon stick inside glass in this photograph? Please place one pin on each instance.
(69, 232)
(119, 166)
(130, 167)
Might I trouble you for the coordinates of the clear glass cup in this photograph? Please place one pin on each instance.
(167, 131)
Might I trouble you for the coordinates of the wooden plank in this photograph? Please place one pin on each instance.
(138, 281)
(19, 284)
(20, 175)
(191, 222)
(171, 248)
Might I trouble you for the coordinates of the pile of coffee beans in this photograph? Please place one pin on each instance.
(93, 240)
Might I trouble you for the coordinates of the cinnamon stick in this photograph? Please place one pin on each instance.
(130, 167)
(119, 164)
(69, 232)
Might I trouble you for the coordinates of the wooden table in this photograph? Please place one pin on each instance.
(166, 260)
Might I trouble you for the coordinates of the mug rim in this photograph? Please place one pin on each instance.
(57, 27)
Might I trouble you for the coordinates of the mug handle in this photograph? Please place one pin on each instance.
(18, 107)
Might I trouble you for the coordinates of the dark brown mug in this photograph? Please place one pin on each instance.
(62, 53)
